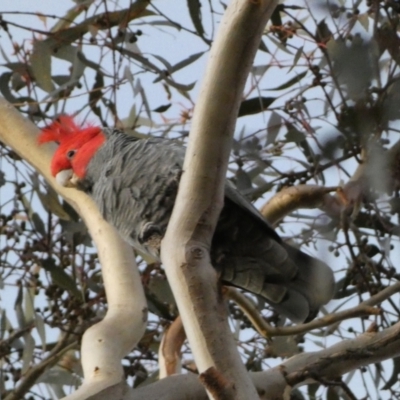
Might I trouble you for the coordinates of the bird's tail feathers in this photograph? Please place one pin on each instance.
(314, 283)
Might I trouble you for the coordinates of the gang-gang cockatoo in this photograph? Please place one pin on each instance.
(134, 183)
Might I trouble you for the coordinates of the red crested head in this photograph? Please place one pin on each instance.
(77, 144)
(59, 130)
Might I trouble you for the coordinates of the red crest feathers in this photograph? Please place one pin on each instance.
(83, 140)
(59, 130)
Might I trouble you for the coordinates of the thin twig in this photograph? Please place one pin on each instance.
(267, 330)
(32, 375)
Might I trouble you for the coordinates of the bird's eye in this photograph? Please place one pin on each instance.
(71, 154)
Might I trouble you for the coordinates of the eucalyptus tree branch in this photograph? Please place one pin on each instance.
(169, 353)
(175, 335)
(5, 344)
(104, 20)
(292, 198)
(323, 366)
(269, 331)
(107, 342)
(62, 34)
(264, 328)
(34, 373)
(185, 247)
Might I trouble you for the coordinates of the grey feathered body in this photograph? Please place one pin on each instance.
(134, 183)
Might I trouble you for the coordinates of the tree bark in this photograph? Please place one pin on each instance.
(185, 247)
(275, 384)
(106, 343)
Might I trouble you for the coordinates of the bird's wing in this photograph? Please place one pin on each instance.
(235, 196)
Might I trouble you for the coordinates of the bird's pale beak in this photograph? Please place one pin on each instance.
(67, 178)
(74, 181)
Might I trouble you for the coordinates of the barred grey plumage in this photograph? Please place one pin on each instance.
(134, 183)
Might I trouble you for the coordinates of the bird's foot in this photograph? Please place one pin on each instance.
(150, 235)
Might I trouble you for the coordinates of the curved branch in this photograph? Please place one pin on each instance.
(293, 197)
(264, 328)
(276, 383)
(169, 353)
(33, 374)
(104, 20)
(185, 247)
(103, 344)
